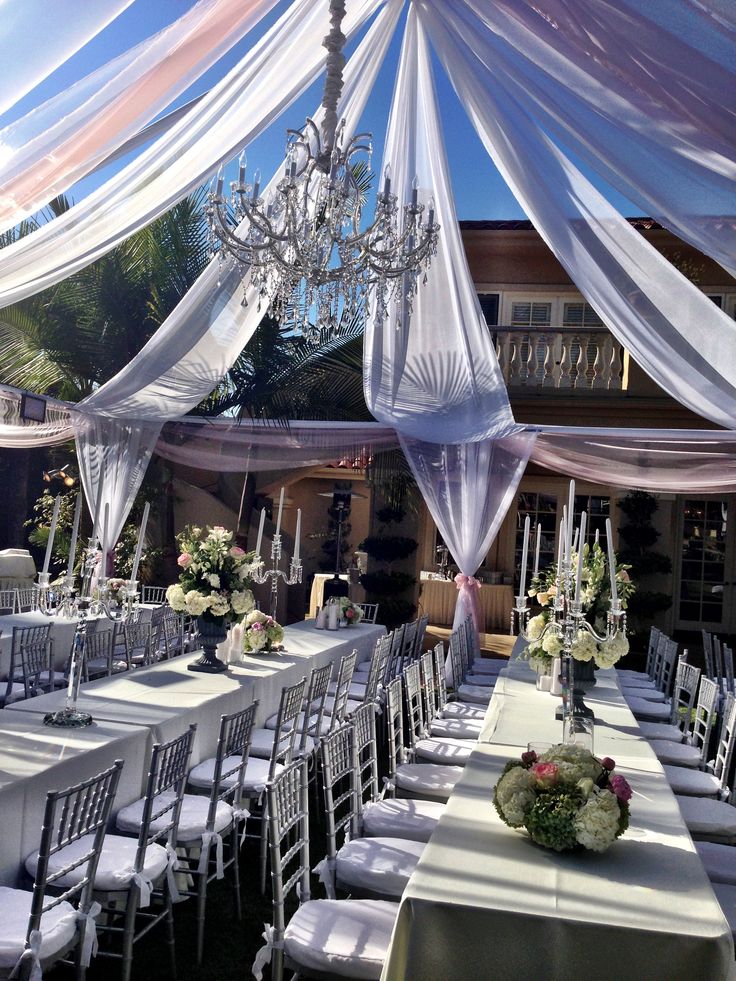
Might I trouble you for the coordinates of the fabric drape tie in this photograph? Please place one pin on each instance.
(88, 929)
(32, 953)
(263, 956)
(145, 888)
(241, 814)
(326, 872)
(467, 582)
(171, 868)
(210, 838)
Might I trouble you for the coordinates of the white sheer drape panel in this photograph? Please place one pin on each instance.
(119, 451)
(673, 331)
(200, 340)
(17, 433)
(223, 446)
(682, 462)
(651, 106)
(54, 145)
(434, 376)
(37, 36)
(468, 488)
(266, 81)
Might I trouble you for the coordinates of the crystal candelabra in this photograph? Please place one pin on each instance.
(307, 255)
(568, 617)
(261, 574)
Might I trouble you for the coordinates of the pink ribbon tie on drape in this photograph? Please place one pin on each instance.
(467, 601)
(469, 582)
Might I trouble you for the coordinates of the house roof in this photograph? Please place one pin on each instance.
(523, 224)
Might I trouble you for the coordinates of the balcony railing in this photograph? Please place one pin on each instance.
(560, 357)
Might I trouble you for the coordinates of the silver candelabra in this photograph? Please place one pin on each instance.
(261, 574)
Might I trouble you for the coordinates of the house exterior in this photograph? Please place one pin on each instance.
(563, 366)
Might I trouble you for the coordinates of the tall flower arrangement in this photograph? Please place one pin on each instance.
(215, 575)
(595, 596)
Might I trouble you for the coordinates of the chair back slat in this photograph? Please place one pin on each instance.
(684, 694)
(314, 706)
(395, 727)
(727, 655)
(654, 633)
(285, 732)
(288, 817)
(440, 680)
(426, 669)
(708, 653)
(370, 612)
(722, 764)
(414, 707)
(26, 599)
(456, 659)
(342, 689)
(153, 594)
(705, 714)
(377, 669)
(393, 668)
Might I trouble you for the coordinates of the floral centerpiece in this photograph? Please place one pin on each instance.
(566, 798)
(595, 597)
(213, 586)
(116, 592)
(349, 612)
(261, 633)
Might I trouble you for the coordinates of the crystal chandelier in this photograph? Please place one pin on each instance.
(309, 260)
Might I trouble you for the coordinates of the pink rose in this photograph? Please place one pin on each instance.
(184, 560)
(528, 758)
(545, 774)
(269, 620)
(257, 625)
(237, 552)
(349, 614)
(621, 788)
(608, 764)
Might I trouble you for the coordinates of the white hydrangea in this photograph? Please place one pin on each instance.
(535, 627)
(551, 644)
(257, 640)
(175, 598)
(611, 651)
(219, 605)
(515, 795)
(584, 647)
(574, 763)
(596, 823)
(196, 602)
(242, 601)
(214, 580)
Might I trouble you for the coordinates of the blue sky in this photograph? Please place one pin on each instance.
(480, 192)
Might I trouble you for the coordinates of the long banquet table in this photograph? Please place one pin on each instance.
(486, 902)
(133, 710)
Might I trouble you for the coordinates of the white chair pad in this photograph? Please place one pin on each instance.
(58, 927)
(261, 743)
(463, 710)
(726, 896)
(256, 775)
(657, 711)
(645, 682)
(661, 730)
(347, 937)
(719, 861)
(650, 694)
(678, 754)
(708, 818)
(115, 868)
(271, 721)
(203, 773)
(486, 681)
(378, 865)
(433, 780)
(487, 665)
(457, 728)
(475, 694)
(692, 783)
(401, 818)
(356, 690)
(192, 818)
(456, 751)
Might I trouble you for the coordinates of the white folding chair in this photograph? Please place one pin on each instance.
(678, 728)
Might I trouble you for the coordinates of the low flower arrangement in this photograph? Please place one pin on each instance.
(115, 591)
(214, 578)
(566, 798)
(595, 597)
(262, 633)
(350, 613)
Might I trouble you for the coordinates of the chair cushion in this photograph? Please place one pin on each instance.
(192, 819)
(474, 693)
(650, 694)
(678, 754)
(657, 711)
(16, 693)
(708, 818)
(645, 682)
(99, 665)
(693, 783)
(463, 710)
(348, 937)
(719, 861)
(487, 665)
(115, 868)
(661, 730)
(431, 780)
(58, 927)
(456, 751)
(486, 681)
(256, 775)
(203, 773)
(457, 728)
(413, 819)
(271, 721)
(379, 865)
(356, 690)
(261, 743)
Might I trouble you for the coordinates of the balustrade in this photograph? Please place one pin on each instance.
(546, 357)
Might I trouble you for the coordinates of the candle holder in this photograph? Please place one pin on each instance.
(261, 574)
(46, 596)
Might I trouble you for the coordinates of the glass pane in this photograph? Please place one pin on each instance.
(702, 568)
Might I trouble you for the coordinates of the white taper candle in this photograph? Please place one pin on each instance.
(611, 561)
(260, 532)
(298, 534)
(570, 520)
(581, 549)
(281, 511)
(537, 540)
(524, 556)
(561, 543)
(52, 533)
(75, 533)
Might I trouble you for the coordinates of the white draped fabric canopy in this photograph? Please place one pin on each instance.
(645, 94)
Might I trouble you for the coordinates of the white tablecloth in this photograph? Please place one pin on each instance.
(485, 902)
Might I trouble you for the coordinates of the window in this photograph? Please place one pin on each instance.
(703, 560)
(489, 306)
(542, 510)
(717, 298)
(529, 314)
(580, 315)
(598, 509)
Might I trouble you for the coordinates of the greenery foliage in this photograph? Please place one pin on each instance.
(639, 535)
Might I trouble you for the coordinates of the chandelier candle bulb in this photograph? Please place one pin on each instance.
(611, 563)
(298, 534)
(75, 534)
(220, 182)
(139, 543)
(581, 549)
(256, 185)
(387, 181)
(415, 192)
(524, 557)
(259, 540)
(241, 169)
(52, 534)
(281, 511)
(537, 540)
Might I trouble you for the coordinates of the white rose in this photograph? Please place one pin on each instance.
(214, 580)
(535, 627)
(242, 601)
(596, 823)
(175, 598)
(196, 602)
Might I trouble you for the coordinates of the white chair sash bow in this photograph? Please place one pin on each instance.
(88, 931)
(241, 814)
(210, 838)
(263, 957)
(326, 872)
(31, 953)
(171, 868)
